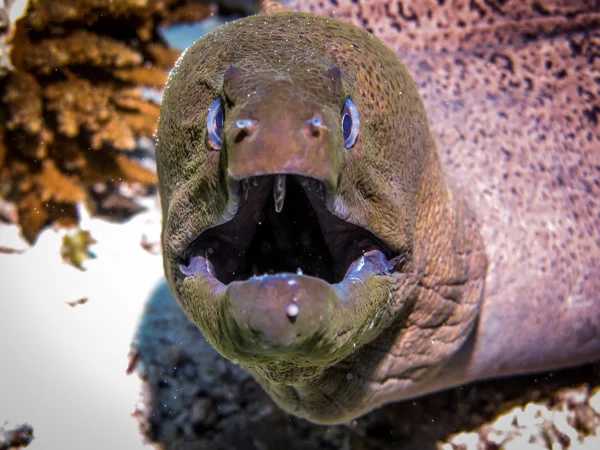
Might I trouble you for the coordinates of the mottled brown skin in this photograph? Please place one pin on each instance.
(391, 183)
(512, 91)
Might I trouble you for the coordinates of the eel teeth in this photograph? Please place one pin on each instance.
(246, 188)
(279, 192)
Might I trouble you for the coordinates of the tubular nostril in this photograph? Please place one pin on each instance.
(315, 125)
(245, 124)
(247, 127)
(316, 122)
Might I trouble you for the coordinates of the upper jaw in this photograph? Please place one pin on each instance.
(277, 224)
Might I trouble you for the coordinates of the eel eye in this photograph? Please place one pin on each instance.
(350, 123)
(214, 124)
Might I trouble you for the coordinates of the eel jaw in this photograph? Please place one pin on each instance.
(290, 281)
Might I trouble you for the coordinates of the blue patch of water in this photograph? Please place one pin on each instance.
(183, 35)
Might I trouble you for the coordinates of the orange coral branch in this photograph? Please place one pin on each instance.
(75, 101)
(78, 49)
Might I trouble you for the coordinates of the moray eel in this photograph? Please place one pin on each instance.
(312, 234)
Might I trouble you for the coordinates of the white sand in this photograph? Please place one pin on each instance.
(62, 368)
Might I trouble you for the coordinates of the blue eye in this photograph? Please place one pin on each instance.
(214, 124)
(350, 123)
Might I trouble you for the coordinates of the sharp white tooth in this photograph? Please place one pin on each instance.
(321, 189)
(279, 192)
(246, 188)
(209, 266)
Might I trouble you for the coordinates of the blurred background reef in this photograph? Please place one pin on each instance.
(80, 85)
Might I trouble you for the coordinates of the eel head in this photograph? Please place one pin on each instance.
(305, 211)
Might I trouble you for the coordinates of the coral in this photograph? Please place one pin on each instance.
(77, 105)
(23, 98)
(18, 437)
(72, 105)
(161, 56)
(190, 12)
(78, 49)
(10, 11)
(47, 13)
(75, 249)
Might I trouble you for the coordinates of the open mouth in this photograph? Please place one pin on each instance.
(282, 225)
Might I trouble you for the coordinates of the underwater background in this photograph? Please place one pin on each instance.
(81, 85)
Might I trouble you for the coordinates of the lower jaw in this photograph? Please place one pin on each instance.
(371, 263)
(285, 323)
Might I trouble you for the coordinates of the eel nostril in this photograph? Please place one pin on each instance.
(247, 127)
(245, 124)
(315, 125)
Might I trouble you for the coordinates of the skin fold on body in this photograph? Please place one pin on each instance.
(342, 277)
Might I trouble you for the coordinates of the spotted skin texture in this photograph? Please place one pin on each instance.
(512, 91)
(390, 183)
(537, 216)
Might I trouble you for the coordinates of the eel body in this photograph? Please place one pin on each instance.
(345, 270)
